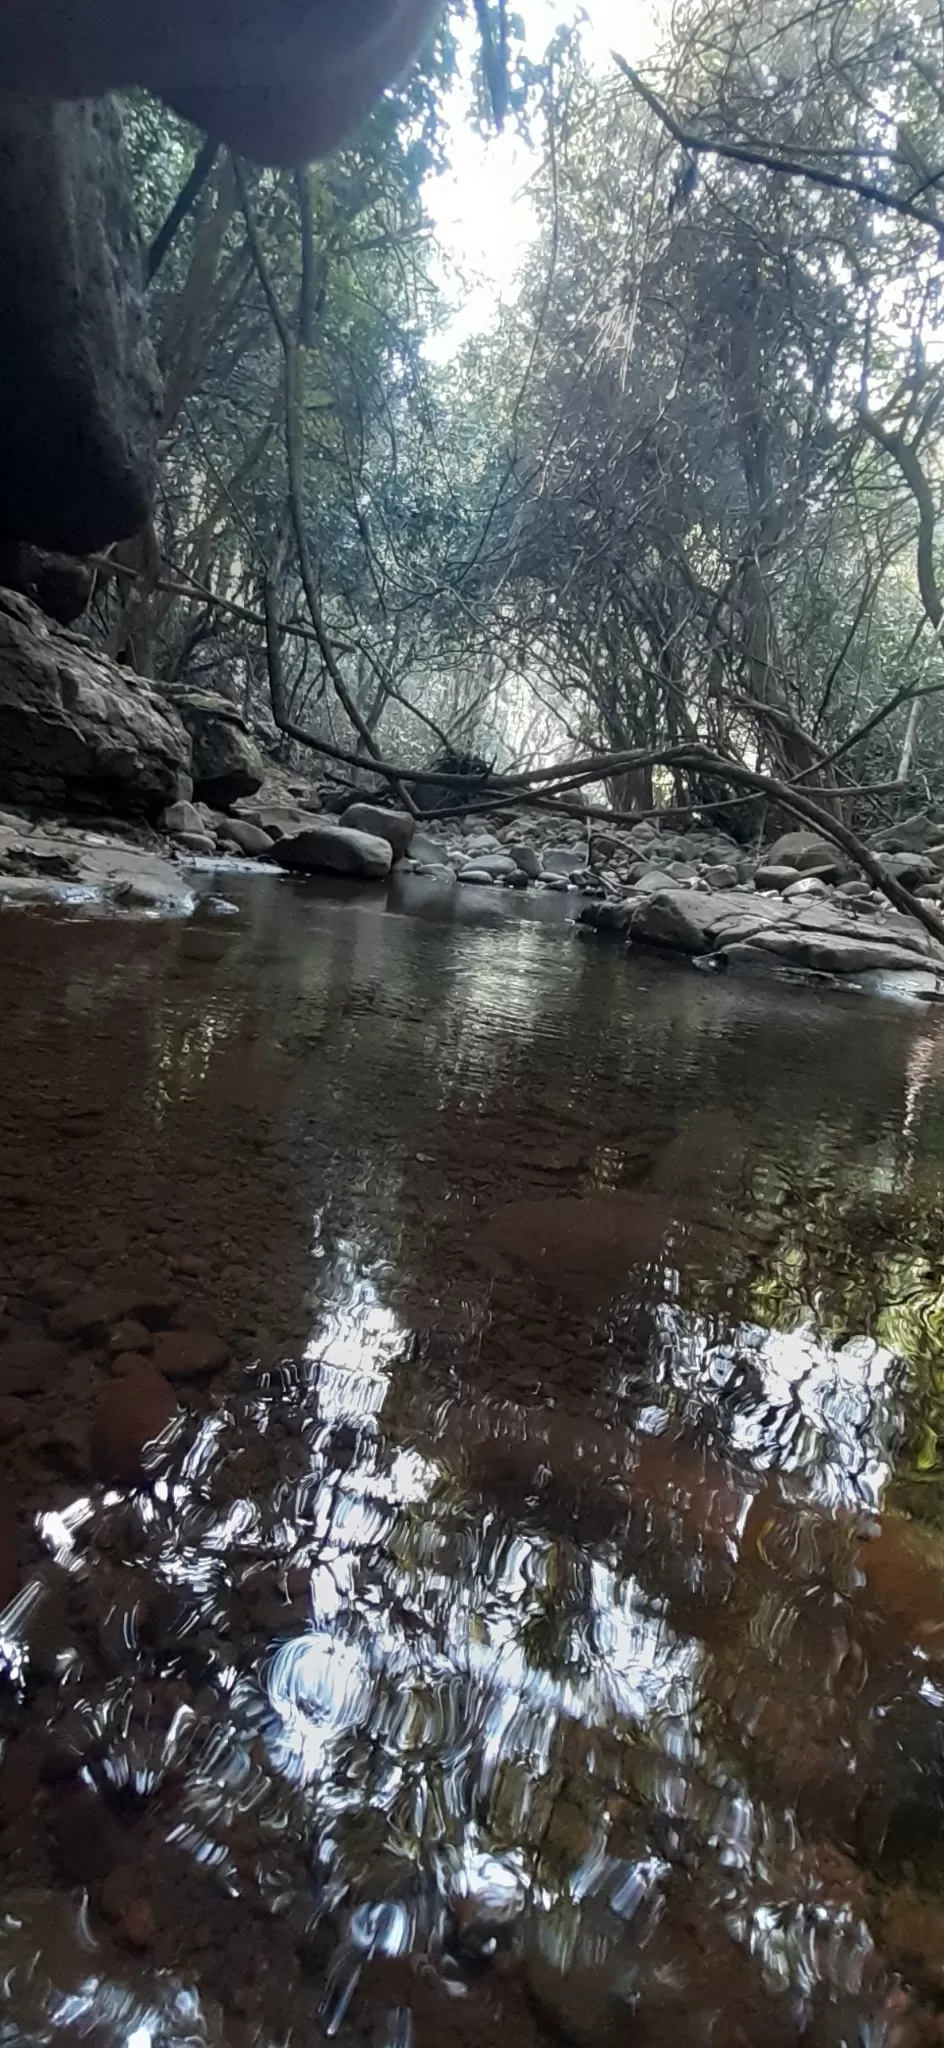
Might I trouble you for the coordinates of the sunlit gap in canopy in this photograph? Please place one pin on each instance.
(481, 208)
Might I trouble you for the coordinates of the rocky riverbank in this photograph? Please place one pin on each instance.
(169, 782)
(798, 906)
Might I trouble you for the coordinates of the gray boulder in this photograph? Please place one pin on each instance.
(775, 879)
(722, 876)
(606, 917)
(276, 820)
(198, 842)
(562, 860)
(227, 763)
(477, 875)
(77, 730)
(802, 850)
(806, 886)
(435, 871)
(247, 838)
(495, 865)
(680, 919)
(526, 858)
(909, 835)
(651, 881)
(397, 827)
(910, 868)
(335, 850)
(182, 817)
(80, 394)
(831, 872)
(432, 852)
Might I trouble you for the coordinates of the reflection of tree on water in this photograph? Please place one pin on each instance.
(786, 1400)
(488, 1684)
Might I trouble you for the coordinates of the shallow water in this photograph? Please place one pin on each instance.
(537, 1629)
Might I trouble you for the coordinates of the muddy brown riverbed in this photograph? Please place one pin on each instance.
(531, 1622)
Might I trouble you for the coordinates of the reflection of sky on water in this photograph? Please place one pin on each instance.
(790, 1400)
(476, 1674)
(441, 1692)
(458, 1679)
(354, 1345)
(404, 1656)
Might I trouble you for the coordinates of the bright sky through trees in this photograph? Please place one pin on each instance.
(480, 208)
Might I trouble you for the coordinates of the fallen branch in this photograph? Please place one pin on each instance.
(831, 828)
(698, 760)
(525, 788)
(181, 585)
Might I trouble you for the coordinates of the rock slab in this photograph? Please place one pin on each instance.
(764, 929)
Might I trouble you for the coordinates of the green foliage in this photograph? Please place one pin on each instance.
(648, 504)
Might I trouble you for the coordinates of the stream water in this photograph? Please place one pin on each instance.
(535, 1630)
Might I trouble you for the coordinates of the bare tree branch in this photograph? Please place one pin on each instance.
(295, 465)
(183, 205)
(770, 160)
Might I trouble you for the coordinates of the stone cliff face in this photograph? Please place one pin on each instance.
(80, 403)
(78, 731)
(79, 388)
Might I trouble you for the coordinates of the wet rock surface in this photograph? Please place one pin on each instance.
(64, 864)
(467, 1390)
